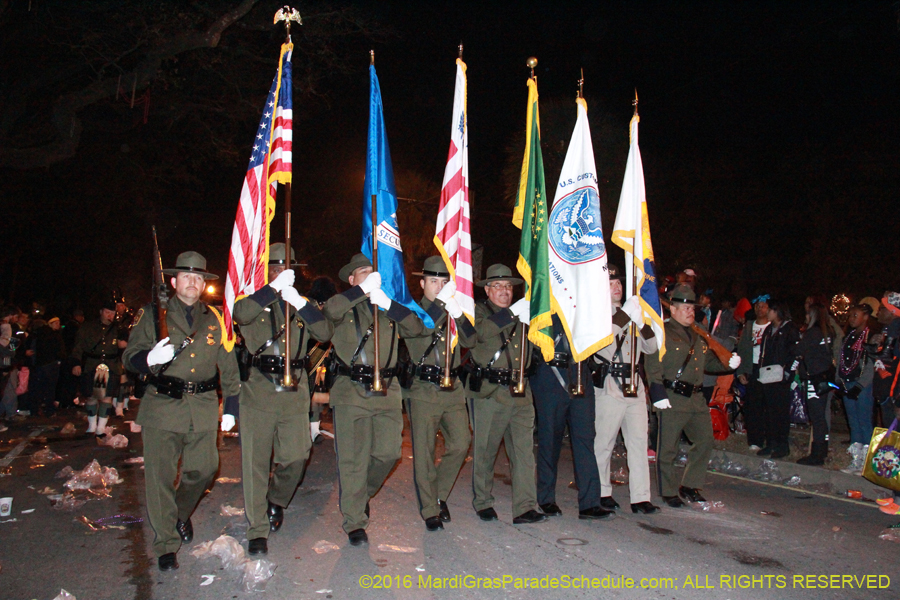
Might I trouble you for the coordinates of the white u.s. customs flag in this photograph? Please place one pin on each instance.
(453, 234)
(631, 232)
(579, 279)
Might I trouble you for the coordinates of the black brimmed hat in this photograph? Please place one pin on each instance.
(434, 266)
(276, 256)
(615, 273)
(682, 294)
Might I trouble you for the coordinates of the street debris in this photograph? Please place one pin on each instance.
(64, 595)
(44, 457)
(91, 483)
(891, 534)
(228, 480)
(253, 574)
(207, 579)
(402, 549)
(117, 441)
(67, 429)
(134, 460)
(619, 476)
(709, 506)
(28, 512)
(226, 510)
(324, 547)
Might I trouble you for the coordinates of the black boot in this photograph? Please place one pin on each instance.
(816, 456)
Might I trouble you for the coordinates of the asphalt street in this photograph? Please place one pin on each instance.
(766, 542)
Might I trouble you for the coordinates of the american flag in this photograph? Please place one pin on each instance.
(270, 164)
(452, 236)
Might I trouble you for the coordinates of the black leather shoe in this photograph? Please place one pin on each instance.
(532, 516)
(276, 517)
(168, 562)
(185, 530)
(780, 453)
(551, 509)
(433, 523)
(358, 537)
(487, 514)
(445, 512)
(609, 503)
(595, 512)
(257, 546)
(367, 509)
(765, 451)
(691, 494)
(644, 508)
(673, 501)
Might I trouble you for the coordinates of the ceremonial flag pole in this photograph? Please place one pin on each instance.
(631, 232)
(453, 231)
(530, 215)
(578, 259)
(271, 161)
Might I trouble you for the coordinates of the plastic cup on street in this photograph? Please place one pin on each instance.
(5, 507)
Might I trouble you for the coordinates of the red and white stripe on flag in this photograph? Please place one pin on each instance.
(453, 234)
(270, 163)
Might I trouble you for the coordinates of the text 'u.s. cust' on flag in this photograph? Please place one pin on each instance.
(270, 164)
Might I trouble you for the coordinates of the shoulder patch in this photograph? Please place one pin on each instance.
(137, 317)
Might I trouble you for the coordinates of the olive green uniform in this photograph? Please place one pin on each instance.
(367, 428)
(688, 414)
(182, 428)
(274, 421)
(98, 344)
(497, 415)
(430, 409)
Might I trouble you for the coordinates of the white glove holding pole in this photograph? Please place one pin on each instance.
(372, 282)
(293, 297)
(227, 422)
(522, 309)
(735, 361)
(379, 298)
(447, 291)
(632, 308)
(284, 280)
(662, 404)
(162, 353)
(453, 307)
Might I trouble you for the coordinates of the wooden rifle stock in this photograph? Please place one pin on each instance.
(160, 294)
(718, 349)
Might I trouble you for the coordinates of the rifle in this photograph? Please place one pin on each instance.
(160, 295)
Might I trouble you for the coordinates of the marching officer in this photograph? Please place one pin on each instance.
(179, 412)
(557, 405)
(274, 418)
(430, 406)
(615, 409)
(97, 354)
(497, 414)
(676, 393)
(367, 425)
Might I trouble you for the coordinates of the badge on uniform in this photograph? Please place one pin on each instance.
(210, 340)
(213, 327)
(137, 318)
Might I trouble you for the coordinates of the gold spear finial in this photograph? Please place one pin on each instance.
(371, 57)
(460, 50)
(635, 102)
(581, 85)
(288, 14)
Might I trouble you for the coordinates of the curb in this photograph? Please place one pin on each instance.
(809, 475)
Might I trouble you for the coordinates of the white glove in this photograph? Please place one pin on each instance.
(522, 309)
(372, 282)
(632, 308)
(453, 307)
(284, 280)
(879, 365)
(447, 291)
(162, 353)
(379, 298)
(293, 297)
(227, 422)
(662, 404)
(735, 361)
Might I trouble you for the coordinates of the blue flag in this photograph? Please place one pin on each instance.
(380, 182)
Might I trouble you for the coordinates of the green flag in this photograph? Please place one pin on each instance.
(531, 216)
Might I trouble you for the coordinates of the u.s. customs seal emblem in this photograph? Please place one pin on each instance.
(575, 232)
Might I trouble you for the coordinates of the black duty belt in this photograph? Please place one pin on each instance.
(620, 369)
(175, 387)
(561, 360)
(435, 374)
(364, 373)
(682, 388)
(101, 356)
(499, 376)
(274, 365)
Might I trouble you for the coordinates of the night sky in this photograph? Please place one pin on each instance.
(769, 135)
